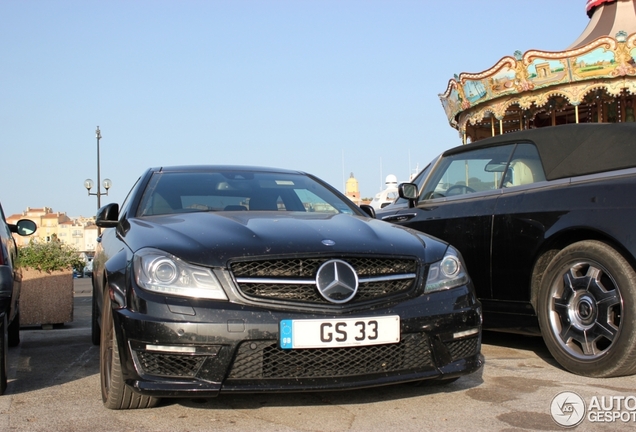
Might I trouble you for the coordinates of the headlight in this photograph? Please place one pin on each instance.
(163, 273)
(447, 273)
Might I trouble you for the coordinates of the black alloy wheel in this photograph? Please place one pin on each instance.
(586, 308)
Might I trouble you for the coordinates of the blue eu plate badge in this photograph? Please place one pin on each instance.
(285, 332)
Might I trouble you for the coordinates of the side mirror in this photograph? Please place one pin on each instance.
(368, 210)
(408, 191)
(23, 227)
(107, 216)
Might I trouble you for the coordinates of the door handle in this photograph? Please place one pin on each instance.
(403, 217)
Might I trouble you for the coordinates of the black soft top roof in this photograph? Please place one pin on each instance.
(574, 149)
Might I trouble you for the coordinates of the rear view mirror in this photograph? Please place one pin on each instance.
(495, 167)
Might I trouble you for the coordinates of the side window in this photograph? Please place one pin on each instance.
(468, 172)
(525, 167)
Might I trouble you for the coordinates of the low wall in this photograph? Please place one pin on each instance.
(46, 298)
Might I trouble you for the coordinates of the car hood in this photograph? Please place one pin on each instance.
(214, 238)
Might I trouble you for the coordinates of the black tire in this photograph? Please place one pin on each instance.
(14, 331)
(95, 330)
(4, 347)
(587, 310)
(115, 393)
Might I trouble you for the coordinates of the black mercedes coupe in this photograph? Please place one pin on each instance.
(545, 221)
(212, 279)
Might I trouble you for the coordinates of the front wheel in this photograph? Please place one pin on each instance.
(115, 393)
(587, 310)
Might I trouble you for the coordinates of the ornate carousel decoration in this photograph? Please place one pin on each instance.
(593, 80)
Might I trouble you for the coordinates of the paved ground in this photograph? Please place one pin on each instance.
(54, 386)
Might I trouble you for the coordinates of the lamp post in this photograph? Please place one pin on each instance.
(88, 183)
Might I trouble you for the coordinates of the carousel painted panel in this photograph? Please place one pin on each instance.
(475, 91)
(503, 82)
(544, 72)
(451, 101)
(598, 63)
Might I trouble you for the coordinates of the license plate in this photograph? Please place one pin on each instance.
(347, 332)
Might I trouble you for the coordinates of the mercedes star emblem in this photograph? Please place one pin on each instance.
(337, 281)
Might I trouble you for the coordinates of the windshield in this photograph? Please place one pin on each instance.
(185, 192)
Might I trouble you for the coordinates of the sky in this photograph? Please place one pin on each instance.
(330, 87)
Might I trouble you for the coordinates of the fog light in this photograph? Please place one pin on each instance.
(175, 349)
(465, 333)
(185, 350)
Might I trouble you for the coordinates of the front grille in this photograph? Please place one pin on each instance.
(305, 269)
(463, 348)
(263, 359)
(169, 365)
(308, 293)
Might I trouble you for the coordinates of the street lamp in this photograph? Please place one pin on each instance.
(88, 183)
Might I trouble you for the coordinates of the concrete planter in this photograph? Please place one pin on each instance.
(46, 298)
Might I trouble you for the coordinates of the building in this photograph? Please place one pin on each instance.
(79, 233)
(351, 189)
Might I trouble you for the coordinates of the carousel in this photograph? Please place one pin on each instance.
(593, 80)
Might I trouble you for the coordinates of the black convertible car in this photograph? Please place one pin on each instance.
(545, 221)
(231, 279)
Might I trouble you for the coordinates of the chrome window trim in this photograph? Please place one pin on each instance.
(625, 172)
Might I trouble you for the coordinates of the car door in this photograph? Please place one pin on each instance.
(519, 227)
(456, 204)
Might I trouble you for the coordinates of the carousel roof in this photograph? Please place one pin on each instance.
(598, 68)
(607, 17)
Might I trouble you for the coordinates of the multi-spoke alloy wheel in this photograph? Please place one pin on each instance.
(586, 310)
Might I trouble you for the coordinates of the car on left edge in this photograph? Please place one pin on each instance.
(10, 280)
(229, 279)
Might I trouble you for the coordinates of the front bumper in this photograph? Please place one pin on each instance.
(236, 348)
